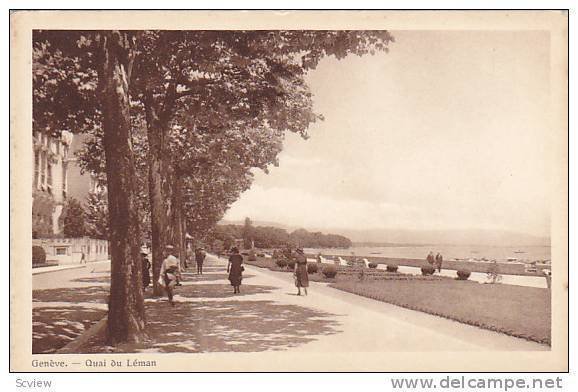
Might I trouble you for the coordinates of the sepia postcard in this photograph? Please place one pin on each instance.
(289, 191)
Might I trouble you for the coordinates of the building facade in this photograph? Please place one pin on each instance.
(49, 182)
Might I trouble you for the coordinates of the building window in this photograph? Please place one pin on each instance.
(61, 251)
(43, 168)
(36, 168)
(64, 180)
(49, 176)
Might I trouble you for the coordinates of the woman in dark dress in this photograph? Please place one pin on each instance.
(146, 266)
(301, 276)
(235, 269)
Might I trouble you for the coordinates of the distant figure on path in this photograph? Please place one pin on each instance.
(200, 258)
(83, 258)
(235, 269)
(430, 258)
(170, 272)
(301, 277)
(146, 265)
(439, 261)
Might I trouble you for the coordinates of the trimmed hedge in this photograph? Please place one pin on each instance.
(38, 255)
(427, 270)
(463, 274)
(329, 271)
(281, 263)
(312, 268)
(372, 265)
(391, 268)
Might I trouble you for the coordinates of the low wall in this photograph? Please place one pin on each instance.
(70, 250)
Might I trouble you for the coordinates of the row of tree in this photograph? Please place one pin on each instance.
(273, 237)
(177, 121)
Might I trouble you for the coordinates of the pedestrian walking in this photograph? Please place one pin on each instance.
(146, 266)
(439, 261)
(430, 258)
(170, 273)
(235, 269)
(82, 258)
(301, 276)
(200, 255)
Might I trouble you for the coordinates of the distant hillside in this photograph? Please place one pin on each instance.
(448, 237)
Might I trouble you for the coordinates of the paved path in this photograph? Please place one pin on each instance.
(362, 324)
(66, 302)
(55, 268)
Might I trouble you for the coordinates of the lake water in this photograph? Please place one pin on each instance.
(449, 252)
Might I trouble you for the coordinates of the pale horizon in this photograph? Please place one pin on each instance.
(448, 131)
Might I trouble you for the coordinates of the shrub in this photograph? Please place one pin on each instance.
(393, 268)
(252, 256)
(463, 274)
(372, 265)
(312, 268)
(290, 264)
(38, 255)
(329, 271)
(427, 270)
(282, 263)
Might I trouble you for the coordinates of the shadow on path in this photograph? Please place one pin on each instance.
(55, 327)
(215, 323)
(74, 295)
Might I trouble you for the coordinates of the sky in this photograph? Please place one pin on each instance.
(449, 130)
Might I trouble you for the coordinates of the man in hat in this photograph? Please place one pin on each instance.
(430, 258)
(439, 261)
(170, 273)
(200, 258)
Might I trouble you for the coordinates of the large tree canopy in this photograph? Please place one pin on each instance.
(213, 106)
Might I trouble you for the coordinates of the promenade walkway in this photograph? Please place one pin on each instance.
(266, 316)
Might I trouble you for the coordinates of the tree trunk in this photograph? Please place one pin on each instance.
(158, 218)
(160, 184)
(126, 303)
(183, 229)
(178, 217)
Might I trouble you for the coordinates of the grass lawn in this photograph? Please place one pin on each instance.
(514, 310)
